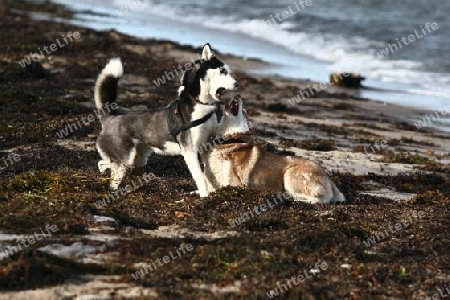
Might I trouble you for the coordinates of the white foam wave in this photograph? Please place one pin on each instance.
(440, 94)
(341, 55)
(356, 54)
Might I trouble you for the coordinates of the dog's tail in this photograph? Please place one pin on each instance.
(105, 92)
(337, 195)
(307, 181)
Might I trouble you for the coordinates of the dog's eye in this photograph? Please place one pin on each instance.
(223, 71)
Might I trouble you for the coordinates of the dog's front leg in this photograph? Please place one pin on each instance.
(210, 186)
(208, 175)
(103, 165)
(191, 159)
(118, 172)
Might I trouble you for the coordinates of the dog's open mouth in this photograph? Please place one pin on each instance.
(219, 93)
(232, 107)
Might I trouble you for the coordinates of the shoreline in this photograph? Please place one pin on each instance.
(185, 54)
(163, 50)
(176, 54)
(284, 63)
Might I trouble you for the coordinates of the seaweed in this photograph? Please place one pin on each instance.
(59, 183)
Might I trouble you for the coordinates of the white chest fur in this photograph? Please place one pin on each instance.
(220, 170)
(203, 132)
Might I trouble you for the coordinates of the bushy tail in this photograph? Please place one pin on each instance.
(337, 195)
(306, 181)
(106, 86)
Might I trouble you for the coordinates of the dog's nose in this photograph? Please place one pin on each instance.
(236, 85)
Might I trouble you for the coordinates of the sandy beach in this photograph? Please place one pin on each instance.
(390, 240)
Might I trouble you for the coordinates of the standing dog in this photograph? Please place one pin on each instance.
(182, 127)
(238, 162)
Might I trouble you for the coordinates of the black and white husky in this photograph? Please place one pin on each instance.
(182, 127)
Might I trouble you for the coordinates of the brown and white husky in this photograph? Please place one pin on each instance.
(236, 161)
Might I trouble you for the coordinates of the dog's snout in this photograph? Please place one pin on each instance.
(236, 85)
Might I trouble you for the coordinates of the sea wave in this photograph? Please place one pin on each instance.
(338, 52)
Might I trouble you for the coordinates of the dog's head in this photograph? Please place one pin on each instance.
(235, 119)
(208, 78)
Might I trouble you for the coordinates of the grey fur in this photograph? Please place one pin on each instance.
(127, 140)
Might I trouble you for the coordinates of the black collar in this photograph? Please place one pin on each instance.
(177, 122)
(235, 141)
(200, 102)
(217, 104)
(238, 139)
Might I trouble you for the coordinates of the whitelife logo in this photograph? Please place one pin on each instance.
(165, 260)
(391, 48)
(74, 126)
(31, 240)
(53, 47)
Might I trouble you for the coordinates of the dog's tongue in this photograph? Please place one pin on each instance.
(219, 93)
(227, 107)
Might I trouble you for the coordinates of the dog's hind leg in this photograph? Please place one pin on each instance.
(105, 162)
(191, 159)
(118, 172)
(103, 165)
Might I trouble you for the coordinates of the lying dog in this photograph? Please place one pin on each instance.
(127, 140)
(238, 162)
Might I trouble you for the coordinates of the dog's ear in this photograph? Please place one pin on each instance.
(182, 80)
(249, 123)
(186, 77)
(244, 112)
(207, 53)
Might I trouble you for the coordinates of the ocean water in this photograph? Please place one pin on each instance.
(306, 41)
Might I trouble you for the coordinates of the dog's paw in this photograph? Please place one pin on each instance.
(103, 166)
(114, 185)
(200, 193)
(203, 194)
